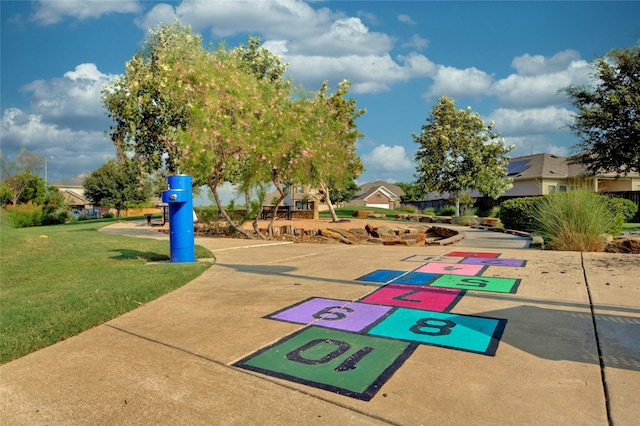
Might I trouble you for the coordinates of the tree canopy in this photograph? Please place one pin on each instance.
(230, 116)
(608, 114)
(116, 185)
(459, 152)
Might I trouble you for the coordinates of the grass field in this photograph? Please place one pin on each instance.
(57, 281)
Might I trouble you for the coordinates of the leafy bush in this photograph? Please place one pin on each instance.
(517, 213)
(624, 207)
(465, 220)
(207, 214)
(446, 211)
(26, 215)
(409, 209)
(429, 211)
(492, 212)
(108, 215)
(574, 220)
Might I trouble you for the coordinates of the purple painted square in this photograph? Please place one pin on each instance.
(333, 313)
(493, 262)
(451, 268)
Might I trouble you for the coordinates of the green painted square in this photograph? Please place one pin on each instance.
(345, 363)
(479, 283)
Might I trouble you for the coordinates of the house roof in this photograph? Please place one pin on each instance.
(547, 166)
(367, 189)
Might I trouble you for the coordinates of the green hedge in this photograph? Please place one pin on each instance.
(517, 213)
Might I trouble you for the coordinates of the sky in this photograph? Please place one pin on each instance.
(506, 60)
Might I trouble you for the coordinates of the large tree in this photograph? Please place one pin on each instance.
(334, 164)
(143, 102)
(19, 181)
(458, 152)
(608, 114)
(116, 185)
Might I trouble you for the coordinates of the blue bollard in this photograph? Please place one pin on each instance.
(180, 201)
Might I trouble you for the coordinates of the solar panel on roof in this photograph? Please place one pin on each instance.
(516, 167)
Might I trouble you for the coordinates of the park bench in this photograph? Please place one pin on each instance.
(283, 212)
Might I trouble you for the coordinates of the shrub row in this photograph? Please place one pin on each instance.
(30, 214)
(518, 213)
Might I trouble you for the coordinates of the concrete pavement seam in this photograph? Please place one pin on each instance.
(603, 377)
(268, 379)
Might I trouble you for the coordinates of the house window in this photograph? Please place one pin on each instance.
(378, 196)
(300, 189)
(562, 188)
(551, 189)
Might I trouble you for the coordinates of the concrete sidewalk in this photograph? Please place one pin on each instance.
(568, 353)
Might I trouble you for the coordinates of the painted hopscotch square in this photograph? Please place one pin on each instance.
(424, 259)
(349, 364)
(381, 276)
(494, 262)
(332, 313)
(491, 284)
(472, 254)
(451, 268)
(408, 296)
(463, 332)
(414, 278)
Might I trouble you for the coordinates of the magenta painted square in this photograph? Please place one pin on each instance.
(333, 313)
(410, 296)
(451, 268)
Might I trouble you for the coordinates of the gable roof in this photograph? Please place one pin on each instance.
(547, 166)
(392, 191)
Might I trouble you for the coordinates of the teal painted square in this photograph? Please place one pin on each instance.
(465, 282)
(349, 364)
(463, 332)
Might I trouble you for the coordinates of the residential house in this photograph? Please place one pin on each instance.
(298, 197)
(73, 192)
(542, 174)
(377, 194)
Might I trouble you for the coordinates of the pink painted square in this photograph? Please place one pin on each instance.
(451, 268)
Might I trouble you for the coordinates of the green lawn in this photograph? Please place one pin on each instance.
(347, 212)
(57, 281)
(631, 227)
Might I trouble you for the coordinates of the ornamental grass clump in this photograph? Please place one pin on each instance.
(573, 221)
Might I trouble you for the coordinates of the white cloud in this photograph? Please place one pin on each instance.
(453, 82)
(406, 19)
(74, 97)
(542, 89)
(535, 144)
(274, 18)
(318, 44)
(533, 121)
(387, 158)
(159, 14)
(73, 151)
(51, 12)
(370, 74)
(416, 42)
(536, 65)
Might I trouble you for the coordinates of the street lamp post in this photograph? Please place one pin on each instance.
(46, 161)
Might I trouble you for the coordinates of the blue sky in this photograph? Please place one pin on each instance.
(506, 60)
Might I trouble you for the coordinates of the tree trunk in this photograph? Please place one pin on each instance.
(225, 215)
(327, 199)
